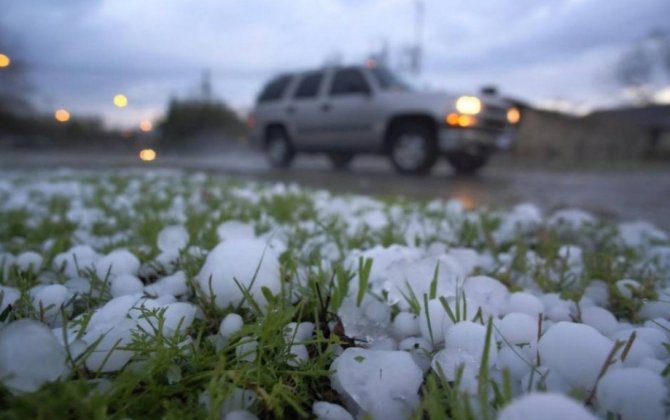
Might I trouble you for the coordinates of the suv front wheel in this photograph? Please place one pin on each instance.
(412, 148)
(467, 163)
(278, 148)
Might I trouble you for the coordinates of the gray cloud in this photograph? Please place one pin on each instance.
(83, 51)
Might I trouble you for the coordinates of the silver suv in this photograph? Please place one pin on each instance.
(344, 111)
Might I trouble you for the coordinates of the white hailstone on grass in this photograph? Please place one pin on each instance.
(598, 292)
(407, 278)
(8, 295)
(601, 319)
(516, 359)
(178, 317)
(576, 352)
(174, 285)
(298, 332)
(381, 384)
(240, 415)
(125, 284)
(328, 411)
(652, 336)
(654, 309)
(30, 356)
(48, 300)
(526, 303)
(662, 324)
(640, 233)
(405, 324)
(120, 261)
(517, 328)
(632, 393)
(235, 263)
(382, 343)
(114, 310)
(29, 261)
(464, 345)
(653, 365)
(570, 219)
(367, 321)
(172, 238)
(487, 292)
(420, 350)
(78, 257)
(238, 399)
(107, 342)
(545, 379)
(299, 355)
(246, 349)
(545, 406)
(235, 230)
(230, 324)
(436, 320)
(627, 287)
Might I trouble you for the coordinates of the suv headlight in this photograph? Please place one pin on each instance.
(470, 105)
(513, 115)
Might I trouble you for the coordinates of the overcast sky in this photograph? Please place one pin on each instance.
(82, 52)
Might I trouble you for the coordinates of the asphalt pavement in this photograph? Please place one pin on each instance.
(640, 192)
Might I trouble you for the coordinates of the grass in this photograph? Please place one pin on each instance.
(170, 376)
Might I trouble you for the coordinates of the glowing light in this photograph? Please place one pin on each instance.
(452, 119)
(470, 105)
(146, 126)
(147, 155)
(466, 120)
(120, 100)
(5, 61)
(513, 115)
(62, 115)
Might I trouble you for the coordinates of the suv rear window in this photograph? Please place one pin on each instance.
(309, 85)
(275, 89)
(347, 81)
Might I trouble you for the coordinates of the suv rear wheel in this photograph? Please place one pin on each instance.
(412, 148)
(467, 163)
(341, 160)
(278, 148)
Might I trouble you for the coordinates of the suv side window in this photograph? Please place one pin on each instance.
(349, 81)
(275, 89)
(309, 85)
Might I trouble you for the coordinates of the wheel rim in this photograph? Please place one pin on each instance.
(277, 150)
(410, 151)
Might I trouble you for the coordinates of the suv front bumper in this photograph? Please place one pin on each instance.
(453, 139)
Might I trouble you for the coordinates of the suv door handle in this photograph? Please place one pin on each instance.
(290, 109)
(325, 107)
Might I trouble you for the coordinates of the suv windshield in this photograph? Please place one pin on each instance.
(390, 81)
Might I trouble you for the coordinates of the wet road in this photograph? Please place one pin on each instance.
(624, 194)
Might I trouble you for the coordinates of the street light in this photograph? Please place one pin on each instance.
(146, 126)
(120, 100)
(62, 115)
(5, 61)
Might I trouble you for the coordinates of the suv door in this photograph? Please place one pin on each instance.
(303, 110)
(348, 111)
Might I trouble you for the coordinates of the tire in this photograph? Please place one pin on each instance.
(412, 148)
(278, 148)
(341, 160)
(465, 163)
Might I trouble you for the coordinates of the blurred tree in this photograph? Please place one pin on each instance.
(190, 118)
(642, 67)
(14, 87)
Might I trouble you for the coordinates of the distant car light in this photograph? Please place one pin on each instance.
(460, 120)
(147, 155)
(470, 105)
(513, 115)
